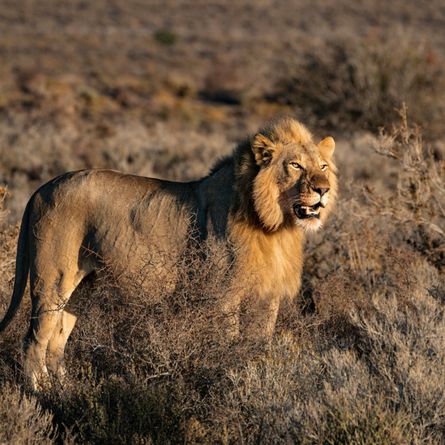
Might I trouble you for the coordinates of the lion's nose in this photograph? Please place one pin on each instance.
(321, 190)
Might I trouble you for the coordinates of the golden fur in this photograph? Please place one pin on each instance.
(257, 204)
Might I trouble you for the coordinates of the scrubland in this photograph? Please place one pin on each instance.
(165, 89)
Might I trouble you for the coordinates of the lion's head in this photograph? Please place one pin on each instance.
(295, 183)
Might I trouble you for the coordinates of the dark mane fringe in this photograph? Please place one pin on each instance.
(225, 161)
(241, 162)
(239, 155)
(245, 169)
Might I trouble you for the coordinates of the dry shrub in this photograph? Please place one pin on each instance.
(165, 37)
(3, 211)
(224, 83)
(23, 421)
(117, 410)
(418, 203)
(349, 83)
(136, 321)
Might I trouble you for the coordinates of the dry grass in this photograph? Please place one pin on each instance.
(23, 420)
(358, 356)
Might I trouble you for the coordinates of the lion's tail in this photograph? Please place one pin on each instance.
(21, 269)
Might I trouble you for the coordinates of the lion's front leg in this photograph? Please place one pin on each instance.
(259, 316)
(230, 310)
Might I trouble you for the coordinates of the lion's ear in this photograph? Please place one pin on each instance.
(263, 149)
(327, 147)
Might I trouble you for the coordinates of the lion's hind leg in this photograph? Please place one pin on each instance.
(44, 320)
(57, 342)
(50, 327)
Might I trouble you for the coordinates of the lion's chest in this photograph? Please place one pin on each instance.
(272, 263)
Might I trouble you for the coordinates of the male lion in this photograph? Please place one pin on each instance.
(258, 203)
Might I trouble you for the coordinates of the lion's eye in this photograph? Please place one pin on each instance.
(324, 167)
(296, 165)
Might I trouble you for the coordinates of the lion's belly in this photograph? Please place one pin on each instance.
(138, 261)
(146, 254)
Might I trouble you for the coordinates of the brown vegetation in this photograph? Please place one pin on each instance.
(358, 356)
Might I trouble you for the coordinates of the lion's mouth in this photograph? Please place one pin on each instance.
(305, 212)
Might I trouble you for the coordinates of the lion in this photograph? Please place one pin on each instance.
(258, 203)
